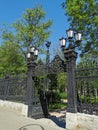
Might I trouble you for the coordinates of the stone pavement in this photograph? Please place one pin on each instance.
(12, 120)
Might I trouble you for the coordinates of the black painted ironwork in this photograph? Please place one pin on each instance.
(38, 80)
(43, 79)
(71, 56)
(56, 66)
(13, 88)
(32, 88)
(32, 99)
(82, 81)
(87, 88)
(82, 85)
(74, 40)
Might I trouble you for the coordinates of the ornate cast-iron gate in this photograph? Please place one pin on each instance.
(42, 80)
(82, 85)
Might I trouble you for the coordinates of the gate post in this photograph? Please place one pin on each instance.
(71, 56)
(34, 107)
(30, 87)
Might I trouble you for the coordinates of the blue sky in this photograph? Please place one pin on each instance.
(11, 10)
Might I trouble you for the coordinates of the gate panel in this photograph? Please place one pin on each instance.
(45, 76)
(13, 88)
(87, 89)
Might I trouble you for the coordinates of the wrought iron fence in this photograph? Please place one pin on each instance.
(13, 88)
(87, 88)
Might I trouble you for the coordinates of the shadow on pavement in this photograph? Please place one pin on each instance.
(59, 121)
(25, 127)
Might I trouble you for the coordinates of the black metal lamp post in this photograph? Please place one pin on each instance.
(47, 62)
(74, 40)
(31, 57)
(48, 54)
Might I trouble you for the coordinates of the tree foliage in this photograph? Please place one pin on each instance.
(62, 82)
(30, 29)
(83, 16)
(11, 59)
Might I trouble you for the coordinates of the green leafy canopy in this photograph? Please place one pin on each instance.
(83, 16)
(30, 29)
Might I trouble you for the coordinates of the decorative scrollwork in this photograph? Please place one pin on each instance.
(56, 66)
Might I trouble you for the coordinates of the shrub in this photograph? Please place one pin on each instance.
(63, 95)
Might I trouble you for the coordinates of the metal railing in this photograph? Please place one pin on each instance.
(13, 88)
(87, 89)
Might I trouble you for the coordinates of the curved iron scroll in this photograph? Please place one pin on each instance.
(56, 66)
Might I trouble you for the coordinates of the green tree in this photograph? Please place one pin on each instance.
(83, 16)
(29, 30)
(62, 82)
(11, 59)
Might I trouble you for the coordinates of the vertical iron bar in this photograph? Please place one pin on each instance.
(6, 87)
(47, 62)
